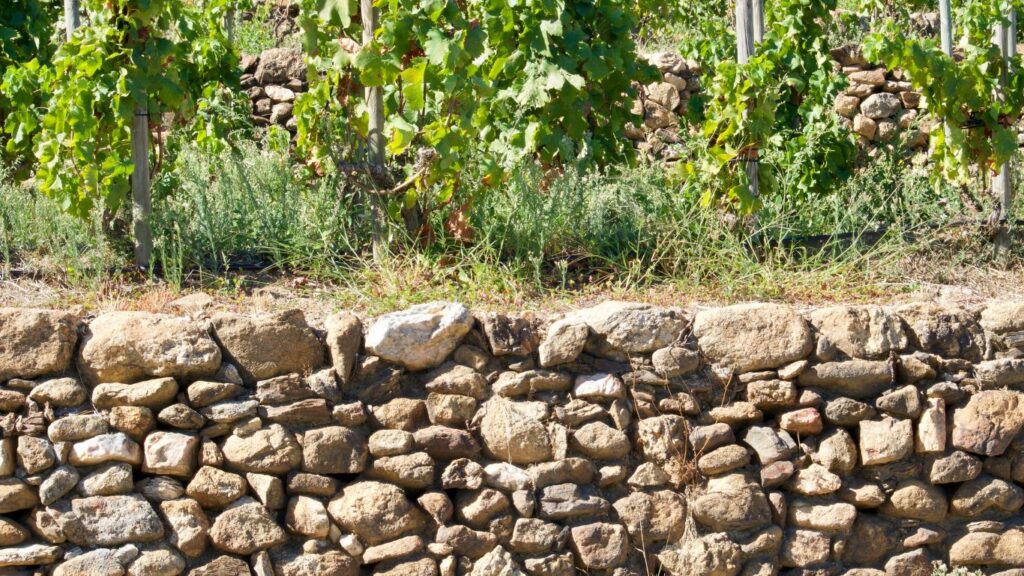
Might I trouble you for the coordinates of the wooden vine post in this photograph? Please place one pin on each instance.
(72, 19)
(745, 46)
(142, 201)
(1004, 36)
(375, 135)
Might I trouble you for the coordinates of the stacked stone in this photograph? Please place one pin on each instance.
(662, 105)
(879, 104)
(623, 439)
(271, 80)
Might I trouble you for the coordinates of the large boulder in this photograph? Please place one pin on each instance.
(375, 512)
(630, 327)
(751, 337)
(511, 433)
(420, 337)
(989, 422)
(130, 346)
(265, 346)
(860, 331)
(36, 342)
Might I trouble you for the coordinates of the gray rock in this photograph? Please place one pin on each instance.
(631, 328)
(880, 105)
(421, 336)
(111, 521)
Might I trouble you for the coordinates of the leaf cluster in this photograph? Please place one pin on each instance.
(75, 111)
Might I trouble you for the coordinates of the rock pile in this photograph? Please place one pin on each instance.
(271, 80)
(879, 105)
(663, 104)
(620, 440)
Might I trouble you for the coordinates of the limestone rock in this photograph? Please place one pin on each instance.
(188, 524)
(375, 511)
(752, 337)
(497, 562)
(246, 528)
(262, 347)
(35, 342)
(824, 516)
(731, 502)
(916, 500)
(59, 392)
(511, 433)
(457, 379)
(115, 447)
(111, 521)
(131, 346)
(421, 336)
(600, 441)
(803, 548)
(344, 336)
(654, 517)
(860, 331)
(988, 422)
(944, 329)
(279, 65)
(880, 105)
(29, 555)
(885, 441)
(563, 343)
(631, 328)
(170, 453)
(270, 450)
(815, 480)
(308, 517)
(853, 378)
(412, 471)
(214, 488)
(333, 450)
(837, 452)
(711, 555)
(976, 497)
(599, 546)
(77, 427)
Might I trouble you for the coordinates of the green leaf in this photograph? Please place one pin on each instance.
(412, 85)
(336, 12)
(403, 133)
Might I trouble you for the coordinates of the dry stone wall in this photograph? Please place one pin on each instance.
(622, 439)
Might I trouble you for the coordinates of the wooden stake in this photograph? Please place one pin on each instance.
(142, 202)
(72, 19)
(946, 26)
(1002, 183)
(745, 27)
(758, 8)
(375, 108)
